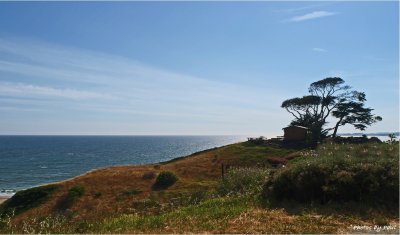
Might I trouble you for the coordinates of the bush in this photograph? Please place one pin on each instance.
(26, 199)
(165, 179)
(76, 191)
(246, 180)
(368, 173)
(257, 141)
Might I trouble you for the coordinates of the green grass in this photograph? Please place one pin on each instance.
(210, 215)
(243, 181)
(247, 154)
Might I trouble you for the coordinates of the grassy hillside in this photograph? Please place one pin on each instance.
(248, 199)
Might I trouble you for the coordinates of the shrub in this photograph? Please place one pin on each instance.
(76, 191)
(245, 180)
(257, 141)
(165, 179)
(26, 199)
(368, 173)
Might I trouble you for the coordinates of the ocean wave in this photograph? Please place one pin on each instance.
(7, 192)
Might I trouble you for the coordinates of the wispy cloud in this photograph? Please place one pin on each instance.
(310, 16)
(53, 78)
(318, 49)
(28, 90)
(296, 9)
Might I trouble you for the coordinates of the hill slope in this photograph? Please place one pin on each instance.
(123, 199)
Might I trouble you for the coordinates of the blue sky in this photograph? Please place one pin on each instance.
(188, 67)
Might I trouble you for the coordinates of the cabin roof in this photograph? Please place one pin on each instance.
(294, 126)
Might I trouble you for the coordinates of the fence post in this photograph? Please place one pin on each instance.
(222, 171)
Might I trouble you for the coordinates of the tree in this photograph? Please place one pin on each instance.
(330, 97)
(393, 138)
(354, 113)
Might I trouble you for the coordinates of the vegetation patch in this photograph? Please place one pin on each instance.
(366, 172)
(76, 192)
(26, 199)
(249, 154)
(165, 179)
(242, 181)
(69, 199)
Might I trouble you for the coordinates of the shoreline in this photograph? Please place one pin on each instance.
(4, 198)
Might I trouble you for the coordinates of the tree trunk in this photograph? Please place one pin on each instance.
(336, 127)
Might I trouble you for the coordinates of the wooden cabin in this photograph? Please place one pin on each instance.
(295, 133)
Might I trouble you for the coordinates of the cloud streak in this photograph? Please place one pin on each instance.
(63, 81)
(311, 16)
(307, 7)
(28, 90)
(318, 49)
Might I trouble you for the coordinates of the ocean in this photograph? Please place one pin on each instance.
(28, 161)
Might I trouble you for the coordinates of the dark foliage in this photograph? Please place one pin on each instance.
(257, 141)
(353, 140)
(26, 199)
(164, 180)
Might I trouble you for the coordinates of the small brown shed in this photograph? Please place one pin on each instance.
(295, 133)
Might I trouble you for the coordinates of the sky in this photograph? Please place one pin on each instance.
(188, 68)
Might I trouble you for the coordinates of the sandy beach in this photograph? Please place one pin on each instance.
(4, 198)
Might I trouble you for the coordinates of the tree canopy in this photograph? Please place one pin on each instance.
(330, 97)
